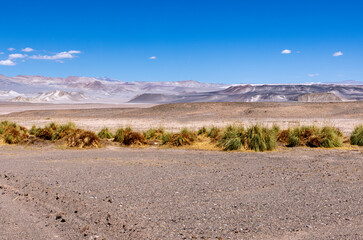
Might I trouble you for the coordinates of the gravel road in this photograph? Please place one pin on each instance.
(124, 193)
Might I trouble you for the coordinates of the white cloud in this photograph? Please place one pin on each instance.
(57, 56)
(17, 55)
(313, 74)
(152, 57)
(7, 62)
(27, 49)
(337, 54)
(286, 51)
(11, 49)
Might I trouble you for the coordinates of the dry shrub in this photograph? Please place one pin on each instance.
(134, 138)
(283, 136)
(83, 139)
(184, 137)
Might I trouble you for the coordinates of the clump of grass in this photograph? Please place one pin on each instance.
(133, 138)
(232, 138)
(13, 133)
(165, 137)
(63, 131)
(260, 139)
(214, 133)
(311, 136)
(202, 131)
(153, 134)
(283, 136)
(120, 134)
(357, 136)
(184, 137)
(329, 137)
(105, 133)
(83, 139)
(47, 132)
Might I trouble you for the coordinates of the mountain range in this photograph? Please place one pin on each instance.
(24, 88)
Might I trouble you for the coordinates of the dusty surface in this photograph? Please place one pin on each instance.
(345, 115)
(119, 193)
(11, 107)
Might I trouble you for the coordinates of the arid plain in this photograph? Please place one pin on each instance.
(47, 192)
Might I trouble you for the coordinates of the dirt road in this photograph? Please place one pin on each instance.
(120, 193)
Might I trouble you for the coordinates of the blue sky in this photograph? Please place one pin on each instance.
(223, 41)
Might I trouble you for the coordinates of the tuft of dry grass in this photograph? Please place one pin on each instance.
(134, 138)
(12, 133)
(83, 139)
(184, 137)
(311, 136)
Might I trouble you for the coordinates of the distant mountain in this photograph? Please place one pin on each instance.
(319, 97)
(106, 90)
(151, 98)
(5, 95)
(268, 93)
(54, 97)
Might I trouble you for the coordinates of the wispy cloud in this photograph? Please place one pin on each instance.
(286, 51)
(57, 56)
(7, 62)
(313, 74)
(337, 54)
(1, 52)
(17, 55)
(11, 49)
(27, 49)
(152, 57)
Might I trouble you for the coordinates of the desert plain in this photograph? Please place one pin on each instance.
(47, 192)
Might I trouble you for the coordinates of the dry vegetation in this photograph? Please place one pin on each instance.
(233, 137)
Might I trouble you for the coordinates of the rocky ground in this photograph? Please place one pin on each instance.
(127, 193)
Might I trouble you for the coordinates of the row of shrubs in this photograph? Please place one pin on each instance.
(256, 138)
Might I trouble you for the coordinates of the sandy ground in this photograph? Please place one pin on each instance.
(10, 107)
(173, 117)
(123, 193)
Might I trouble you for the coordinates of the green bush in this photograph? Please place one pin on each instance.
(357, 136)
(105, 133)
